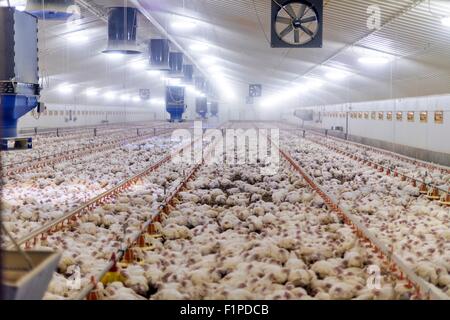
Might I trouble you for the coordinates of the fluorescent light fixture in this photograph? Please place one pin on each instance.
(374, 60)
(109, 95)
(314, 84)
(124, 97)
(91, 92)
(183, 24)
(208, 60)
(190, 88)
(77, 38)
(115, 55)
(157, 101)
(267, 102)
(138, 65)
(154, 73)
(446, 21)
(199, 47)
(174, 81)
(215, 68)
(336, 75)
(65, 88)
(136, 99)
(301, 87)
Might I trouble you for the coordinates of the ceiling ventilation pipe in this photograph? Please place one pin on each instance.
(188, 71)
(175, 103)
(122, 30)
(51, 9)
(200, 84)
(159, 54)
(176, 65)
(201, 106)
(214, 108)
(19, 80)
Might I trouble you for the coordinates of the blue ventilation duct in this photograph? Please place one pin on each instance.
(176, 64)
(122, 30)
(175, 103)
(214, 108)
(51, 9)
(200, 84)
(159, 54)
(19, 81)
(201, 106)
(188, 71)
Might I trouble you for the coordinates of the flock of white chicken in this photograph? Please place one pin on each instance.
(49, 144)
(34, 198)
(233, 233)
(418, 229)
(236, 234)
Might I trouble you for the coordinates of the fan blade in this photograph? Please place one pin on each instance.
(284, 20)
(296, 36)
(286, 31)
(307, 31)
(309, 19)
(302, 11)
(290, 11)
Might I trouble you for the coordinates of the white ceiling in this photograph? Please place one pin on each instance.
(411, 31)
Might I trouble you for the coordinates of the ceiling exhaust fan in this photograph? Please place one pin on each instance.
(297, 23)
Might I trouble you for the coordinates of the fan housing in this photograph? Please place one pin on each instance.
(297, 23)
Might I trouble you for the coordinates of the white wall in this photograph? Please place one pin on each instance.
(428, 136)
(56, 116)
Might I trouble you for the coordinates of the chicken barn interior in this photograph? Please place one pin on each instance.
(225, 149)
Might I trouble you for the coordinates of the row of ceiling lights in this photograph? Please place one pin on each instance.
(371, 60)
(67, 89)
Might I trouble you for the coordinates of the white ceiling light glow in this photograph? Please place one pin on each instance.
(314, 84)
(109, 95)
(77, 38)
(199, 47)
(208, 60)
(65, 88)
(301, 88)
(138, 65)
(183, 24)
(215, 68)
(374, 60)
(91, 92)
(136, 99)
(124, 97)
(154, 73)
(157, 101)
(115, 55)
(336, 75)
(174, 81)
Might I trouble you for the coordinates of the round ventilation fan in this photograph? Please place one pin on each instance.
(297, 23)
